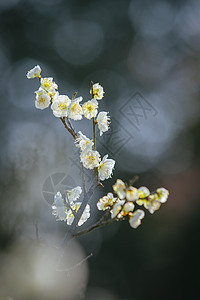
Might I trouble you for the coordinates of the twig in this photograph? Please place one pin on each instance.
(37, 232)
(77, 265)
(71, 126)
(133, 180)
(94, 226)
(83, 179)
(69, 206)
(71, 131)
(94, 133)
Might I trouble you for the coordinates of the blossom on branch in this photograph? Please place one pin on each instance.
(143, 192)
(75, 109)
(90, 159)
(43, 99)
(60, 106)
(83, 142)
(105, 168)
(103, 121)
(33, 73)
(75, 207)
(90, 109)
(132, 193)
(117, 208)
(120, 188)
(106, 202)
(97, 91)
(153, 201)
(74, 194)
(122, 203)
(136, 217)
(48, 84)
(58, 207)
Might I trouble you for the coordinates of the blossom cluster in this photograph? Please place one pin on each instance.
(127, 197)
(126, 200)
(63, 106)
(65, 208)
(90, 158)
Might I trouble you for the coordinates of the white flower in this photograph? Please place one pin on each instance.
(48, 84)
(90, 109)
(106, 202)
(35, 72)
(162, 194)
(59, 209)
(43, 100)
(90, 159)
(136, 217)
(75, 109)
(75, 207)
(131, 193)
(116, 209)
(60, 106)
(153, 201)
(105, 168)
(152, 205)
(143, 192)
(103, 122)
(120, 188)
(83, 142)
(97, 91)
(73, 194)
(128, 206)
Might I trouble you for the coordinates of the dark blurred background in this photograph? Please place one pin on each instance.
(146, 54)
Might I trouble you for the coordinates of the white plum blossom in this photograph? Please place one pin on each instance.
(75, 207)
(75, 109)
(35, 72)
(90, 109)
(162, 194)
(152, 205)
(153, 202)
(128, 206)
(97, 91)
(48, 84)
(106, 202)
(116, 211)
(136, 217)
(120, 188)
(60, 106)
(131, 193)
(105, 168)
(83, 142)
(143, 192)
(42, 100)
(90, 159)
(74, 194)
(58, 207)
(103, 122)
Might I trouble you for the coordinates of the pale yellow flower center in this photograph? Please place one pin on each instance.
(62, 105)
(76, 108)
(41, 100)
(91, 158)
(95, 92)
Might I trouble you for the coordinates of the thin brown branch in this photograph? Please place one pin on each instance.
(94, 226)
(71, 131)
